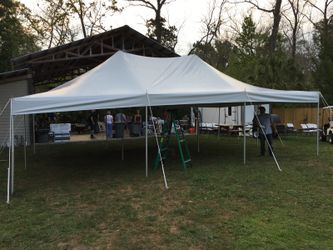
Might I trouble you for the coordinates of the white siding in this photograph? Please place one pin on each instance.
(7, 91)
(210, 115)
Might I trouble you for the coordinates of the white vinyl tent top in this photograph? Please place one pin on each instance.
(127, 80)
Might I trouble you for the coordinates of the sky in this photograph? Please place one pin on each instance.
(184, 14)
(177, 13)
(187, 15)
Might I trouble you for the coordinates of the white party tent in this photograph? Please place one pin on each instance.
(127, 80)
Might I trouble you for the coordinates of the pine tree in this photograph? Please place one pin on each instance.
(14, 40)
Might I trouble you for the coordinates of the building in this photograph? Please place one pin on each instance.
(40, 71)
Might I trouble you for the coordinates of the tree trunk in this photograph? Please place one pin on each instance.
(158, 25)
(275, 29)
(294, 40)
(81, 16)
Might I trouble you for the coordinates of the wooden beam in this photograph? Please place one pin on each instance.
(73, 58)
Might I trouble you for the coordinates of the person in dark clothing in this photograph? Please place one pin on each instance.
(52, 117)
(120, 121)
(263, 122)
(138, 117)
(137, 124)
(93, 123)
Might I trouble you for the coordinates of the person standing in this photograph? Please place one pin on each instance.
(138, 117)
(108, 124)
(137, 125)
(120, 120)
(264, 123)
(93, 123)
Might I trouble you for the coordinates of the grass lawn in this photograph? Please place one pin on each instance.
(82, 196)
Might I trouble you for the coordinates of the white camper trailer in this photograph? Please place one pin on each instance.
(228, 115)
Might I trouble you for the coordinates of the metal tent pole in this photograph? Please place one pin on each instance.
(122, 149)
(12, 149)
(218, 130)
(25, 143)
(8, 186)
(33, 134)
(146, 141)
(9, 157)
(318, 128)
(158, 149)
(198, 132)
(157, 143)
(244, 135)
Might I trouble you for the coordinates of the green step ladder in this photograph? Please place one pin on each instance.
(163, 144)
(181, 143)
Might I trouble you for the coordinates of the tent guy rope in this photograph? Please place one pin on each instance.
(158, 145)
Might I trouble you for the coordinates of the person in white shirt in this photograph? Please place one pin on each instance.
(108, 124)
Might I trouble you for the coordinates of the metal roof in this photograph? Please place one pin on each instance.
(65, 62)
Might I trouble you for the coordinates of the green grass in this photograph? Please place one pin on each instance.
(82, 196)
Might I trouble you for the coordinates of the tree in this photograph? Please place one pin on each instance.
(323, 37)
(92, 13)
(325, 11)
(247, 62)
(218, 53)
(55, 21)
(211, 27)
(323, 74)
(275, 29)
(300, 44)
(51, 24)
(14, 40)
(276, 11)
(297, 11)
(157, 26)
(249, 41)
(251, 63)
(169, 34)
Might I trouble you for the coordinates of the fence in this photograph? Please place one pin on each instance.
(298, 115)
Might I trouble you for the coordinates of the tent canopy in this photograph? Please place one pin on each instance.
(127, 80)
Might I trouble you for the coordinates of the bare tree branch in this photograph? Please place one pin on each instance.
(155, 25)
(143, 3)
(255, 4)
(314, 6)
